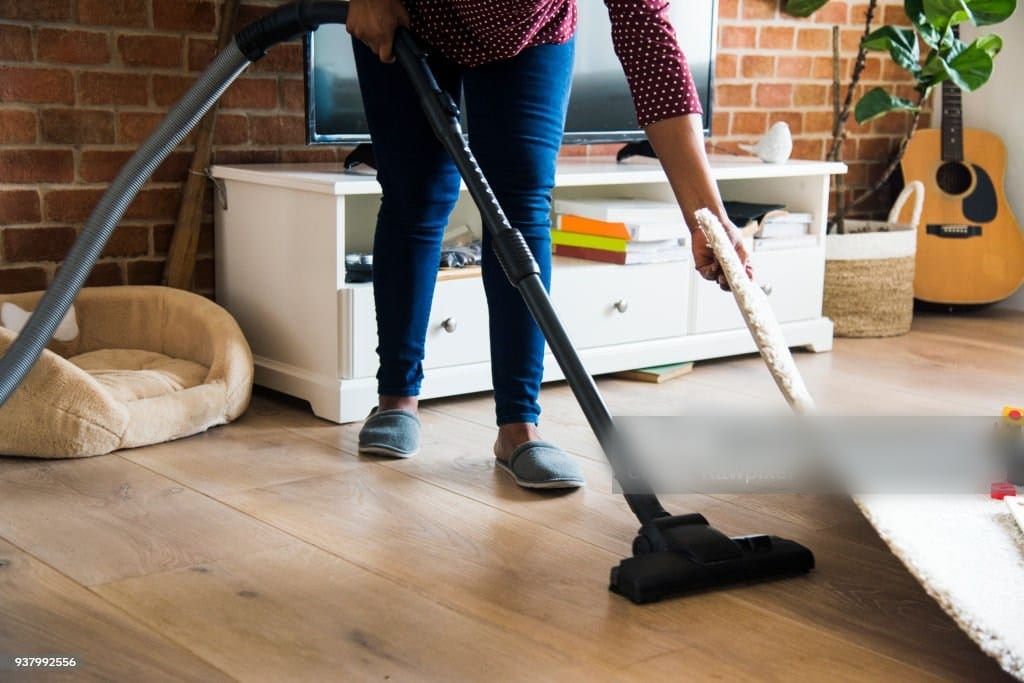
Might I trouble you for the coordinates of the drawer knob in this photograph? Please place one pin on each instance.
(449, 325)
(621, 305)
(767, 289)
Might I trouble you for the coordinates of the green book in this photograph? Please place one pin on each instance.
(578, 239)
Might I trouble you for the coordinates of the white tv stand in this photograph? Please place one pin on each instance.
(282, 235)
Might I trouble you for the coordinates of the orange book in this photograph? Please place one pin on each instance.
(589, 226)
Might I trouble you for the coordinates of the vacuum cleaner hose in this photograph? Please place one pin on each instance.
(250, 44)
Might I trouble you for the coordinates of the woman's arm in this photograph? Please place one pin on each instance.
(668, 107)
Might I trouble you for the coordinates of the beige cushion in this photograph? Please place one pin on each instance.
(148, 364)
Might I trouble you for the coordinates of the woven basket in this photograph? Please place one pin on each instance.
(869, 273)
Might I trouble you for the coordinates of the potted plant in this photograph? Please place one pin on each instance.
(869, 264)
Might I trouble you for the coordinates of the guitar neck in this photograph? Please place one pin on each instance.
(952, 123)
(952, 118)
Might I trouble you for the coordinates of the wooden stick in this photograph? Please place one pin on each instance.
(181, 258)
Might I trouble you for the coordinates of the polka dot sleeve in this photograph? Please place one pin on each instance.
(655, 66)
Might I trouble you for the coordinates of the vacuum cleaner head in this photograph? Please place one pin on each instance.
(682, 554)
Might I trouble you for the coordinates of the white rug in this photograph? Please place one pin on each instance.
(968, 553)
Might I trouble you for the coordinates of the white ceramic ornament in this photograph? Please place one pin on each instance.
(775, 146)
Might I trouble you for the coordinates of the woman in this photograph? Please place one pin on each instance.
(513, 61)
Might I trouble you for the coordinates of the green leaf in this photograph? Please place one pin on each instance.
(942, 14)
(990, 43)
(934, 71)
(915, 12)
(971, 68)
(877, 102)
(804, 8)
(991, 11)
(901, 44)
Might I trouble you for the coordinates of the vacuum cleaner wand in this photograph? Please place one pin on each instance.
(672, 553)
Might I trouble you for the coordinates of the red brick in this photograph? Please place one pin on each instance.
(760, 9)
(167, 90)
(15, 43)
(895, 15)
(721, 123)
(726, 65)
(19, 206)
(794, 67)
(101, 166)
(36, 10)
(804, 148)
(833, 13)
(251, 93)
(277, 130)
(876, 148)
(155, 203)
(73, 47)
(293, 94)
(201, 52)
(757, 66)
(849, 39)
(794, 119)
(738, 36)
(817, 39)
(818, 121)
(249, 13)
(891, 71)
(774, 95)
(245, 156)
(330, 155)
(36, 85)
(132, 13)
(859, 13)
(823, 68)
(185, 15)
(730, 95)
(728, 9)
(22, 280)
(134, 127)
(17, 126)
(749, 123)
(205, 243)
(36, 165)
(162, 52)
(77, 126)
(112, 88)
(807, 95)
(895, 123)
(37, 244)
(145, 272)
(285, 58)
(105, 274)
(162, 235)
(69, 206)
(232, 129)
(776, 37)
(128, 241)
(204, 274)
(872, 69)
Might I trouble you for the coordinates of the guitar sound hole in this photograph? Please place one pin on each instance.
(953, 177)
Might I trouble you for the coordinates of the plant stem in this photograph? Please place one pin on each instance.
(839, 131)
(840, 180)
(897, 156)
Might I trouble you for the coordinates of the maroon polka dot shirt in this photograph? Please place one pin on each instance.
(473, 32)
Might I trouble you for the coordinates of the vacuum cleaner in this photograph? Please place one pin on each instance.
(672, 554)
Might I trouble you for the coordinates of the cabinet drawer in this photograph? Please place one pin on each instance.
(456, 334)
(603, 304)
(793, 277)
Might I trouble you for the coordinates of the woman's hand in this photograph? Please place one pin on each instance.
(374, 22)
(704, 258)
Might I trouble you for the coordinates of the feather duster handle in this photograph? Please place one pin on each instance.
(757, 313)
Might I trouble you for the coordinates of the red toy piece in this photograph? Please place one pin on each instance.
(1002, 489)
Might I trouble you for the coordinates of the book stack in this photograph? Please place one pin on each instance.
(623, 231)
(784, 230)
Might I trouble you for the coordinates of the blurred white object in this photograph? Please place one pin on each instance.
(775, 146)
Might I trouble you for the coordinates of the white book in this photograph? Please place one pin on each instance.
(787, 217)
(631, 211)
(780, 230)
(774, 243)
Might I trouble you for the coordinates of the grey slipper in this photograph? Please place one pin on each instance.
(542, 465)
(390, 432)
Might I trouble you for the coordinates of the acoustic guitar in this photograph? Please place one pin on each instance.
(969, 247)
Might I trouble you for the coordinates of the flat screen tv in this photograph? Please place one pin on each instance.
(600, 106)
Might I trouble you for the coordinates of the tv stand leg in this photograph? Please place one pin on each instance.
(641, 148)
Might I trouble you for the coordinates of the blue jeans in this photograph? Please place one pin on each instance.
(515, 116)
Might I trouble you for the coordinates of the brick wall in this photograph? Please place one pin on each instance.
(82, 82)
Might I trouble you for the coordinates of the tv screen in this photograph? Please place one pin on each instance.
(600, 106)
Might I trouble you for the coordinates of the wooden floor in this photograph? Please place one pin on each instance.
(268, 551)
